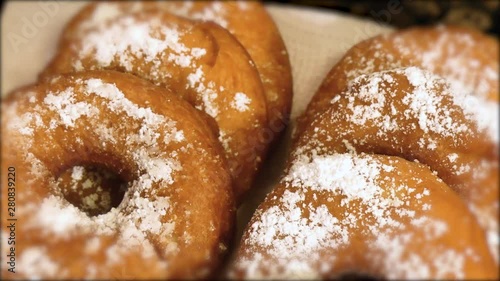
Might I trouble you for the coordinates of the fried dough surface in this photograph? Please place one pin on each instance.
(177, 213)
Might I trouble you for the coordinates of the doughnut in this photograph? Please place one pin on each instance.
(466, 57)
(366, 215)
(199, 61)
(177, 212)
(416, 115)
(248, 21)
(397, 179)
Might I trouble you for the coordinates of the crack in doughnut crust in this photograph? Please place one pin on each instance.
(351, 200)
(200, 61)
(465, 57)
(248, 21)
(378, 215)
(177, 213)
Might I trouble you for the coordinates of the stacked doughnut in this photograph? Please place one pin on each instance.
(225, 58)
(135, 146)
(394, 167)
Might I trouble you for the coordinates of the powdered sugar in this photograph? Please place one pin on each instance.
(63, 103)
(77, 173)
(58, 221)
(35, 262)
(423, 107)
(156, 168)
(482, 112)
(450, 53)
(131, 42)
(438, 116)
(304, 238)
(143, 214)
(317, 175)
(173, 45)
(452, 157)
(128, 37)
(62, 219)
(103, 11)
(213, 12)
(240, 102)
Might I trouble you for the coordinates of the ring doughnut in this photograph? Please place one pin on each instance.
(177, 213)
(248, 21)
(466, 57)
(374, 215)
(418, 116)
(351, 200)
(200, 61)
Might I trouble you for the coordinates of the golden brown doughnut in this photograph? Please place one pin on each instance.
(418, 116)
(371, 215)
(248, 21)
(351, 200)
(177, 212)
(200, 61)
(466, 57)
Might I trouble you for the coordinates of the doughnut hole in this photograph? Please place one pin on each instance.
(93, 189)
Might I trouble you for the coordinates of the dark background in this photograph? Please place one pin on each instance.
(480, 14)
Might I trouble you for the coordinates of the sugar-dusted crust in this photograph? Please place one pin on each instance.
(396, 179)
(419, 116)
(248, 21)
(465, 57)
(199, 61)
(177, 213)
(374, 215)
